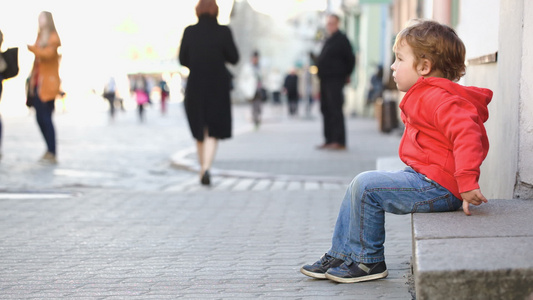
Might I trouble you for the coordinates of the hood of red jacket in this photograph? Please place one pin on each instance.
(479, 97)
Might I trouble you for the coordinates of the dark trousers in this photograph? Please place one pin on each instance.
(331, 102)
(43, 112)
(140, 108)
(111, 98)
(1, 119)
(276, 97)
(293, 106)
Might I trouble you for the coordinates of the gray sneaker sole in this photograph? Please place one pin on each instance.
(312, 274)
(357, 279)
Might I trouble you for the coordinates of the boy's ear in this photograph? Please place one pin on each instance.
(424, 67)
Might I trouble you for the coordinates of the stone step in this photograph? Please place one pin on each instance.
(488, 255)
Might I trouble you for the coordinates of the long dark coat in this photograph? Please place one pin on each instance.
(205, 49)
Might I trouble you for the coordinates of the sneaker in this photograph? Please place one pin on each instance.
(357, 272)
(319, 268)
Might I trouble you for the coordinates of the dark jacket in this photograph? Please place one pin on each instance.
(205, 48)
(291, 86)
(336, 60)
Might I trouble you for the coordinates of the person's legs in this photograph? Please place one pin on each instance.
(359, 232)
(200, 153)
(210, 149)
(0, 118)
(324, 109)
(141, 111)
(336, 117)
(206, 155)
(39, 113)
(256, 111)
(111, 99)
(50, 135)
(276, 97)
(163, 105)
(43, 113)
(293, 106)
(0, 136)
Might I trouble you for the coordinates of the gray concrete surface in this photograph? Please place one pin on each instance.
(484, 256)
(115, 220)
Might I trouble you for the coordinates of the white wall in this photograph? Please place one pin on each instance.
(525, 157)
(478, 25)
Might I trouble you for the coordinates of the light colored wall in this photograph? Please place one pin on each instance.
(498, 172)
(524, 187)
(478, 25)
(492, 169)
(510, 125)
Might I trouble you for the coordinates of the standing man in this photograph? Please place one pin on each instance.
(335, 64)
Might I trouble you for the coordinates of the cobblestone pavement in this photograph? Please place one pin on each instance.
(160, 245)
(115, 220)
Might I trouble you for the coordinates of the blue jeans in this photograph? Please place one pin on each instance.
(43, 112)
(360, 229)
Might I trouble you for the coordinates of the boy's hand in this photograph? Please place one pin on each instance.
(472, 197)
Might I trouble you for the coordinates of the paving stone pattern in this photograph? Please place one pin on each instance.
(164, 245)
(114, 220)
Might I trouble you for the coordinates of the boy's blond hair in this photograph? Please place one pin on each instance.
(436, 42)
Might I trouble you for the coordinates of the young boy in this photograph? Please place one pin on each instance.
(443, 145)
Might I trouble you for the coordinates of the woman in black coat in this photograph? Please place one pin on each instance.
(205, 49)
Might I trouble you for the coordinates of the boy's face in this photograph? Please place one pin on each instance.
(404, 72)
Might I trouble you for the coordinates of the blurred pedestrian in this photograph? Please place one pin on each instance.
(274, 84)
(251, 84)
(205, 49)
(44, 81)
(335, 64)
(375, 90)
(309, 85)
(110, 93)
(164, 92)
(142, 94)
(290, 87)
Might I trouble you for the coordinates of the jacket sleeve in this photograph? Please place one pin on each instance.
(460, 123)
(47, 52)
(184, 48)
(348, 56)
(231, 54)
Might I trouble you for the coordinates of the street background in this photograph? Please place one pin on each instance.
(120, 216)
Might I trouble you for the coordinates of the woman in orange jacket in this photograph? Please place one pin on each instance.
(44, 81)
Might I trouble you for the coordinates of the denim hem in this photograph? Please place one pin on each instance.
(355, 258)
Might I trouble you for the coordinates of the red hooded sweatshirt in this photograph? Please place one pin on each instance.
(444, 137)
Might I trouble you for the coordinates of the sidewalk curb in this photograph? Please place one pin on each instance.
(179, 160)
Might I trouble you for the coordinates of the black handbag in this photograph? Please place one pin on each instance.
(11, 56)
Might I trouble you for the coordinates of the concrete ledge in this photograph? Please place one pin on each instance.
(488, 255)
